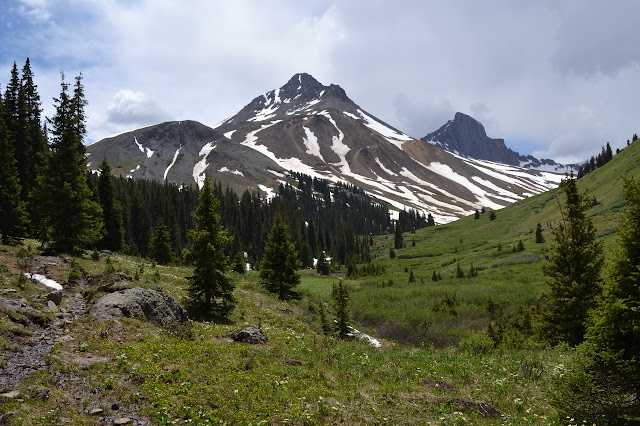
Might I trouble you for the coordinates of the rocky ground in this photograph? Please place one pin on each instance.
(37, 319)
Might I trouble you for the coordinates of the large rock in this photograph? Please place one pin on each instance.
(251, 335)
(140, 303)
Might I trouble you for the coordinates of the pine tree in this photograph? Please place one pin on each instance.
(322, 267)
(239, 265)
(459, 272)
(113, 238)
(340, 296)
(280, 263)
(161, 243)
(31, 141)
(71, 216)
(412, 278)
(324, 323)
(398, 240)
(492, 215)
(604, 386)
(539, 236)
(13, 216)
(476, 215)
(210, 292)
(573, 269)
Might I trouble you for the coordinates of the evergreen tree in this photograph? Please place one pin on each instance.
(322, 267)
(340, 296)
(412, 278)
(13, 216)
(280, 263)
(161, 243)
(573, 269)
(71, 216)
(324, 323)
(539, 236)
(113, 238)
(398, 240)
(210, 292)
(492, 215)
(239, 265)
(476, 215)
(459, 272)
(30, 141)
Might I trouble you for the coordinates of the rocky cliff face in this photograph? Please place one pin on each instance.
(467, 137)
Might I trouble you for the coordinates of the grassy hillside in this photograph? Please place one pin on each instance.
(395, 308)
(195, 374)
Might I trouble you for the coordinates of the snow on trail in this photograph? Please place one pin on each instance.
(44, 280)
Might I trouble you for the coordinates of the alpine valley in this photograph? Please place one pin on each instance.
(317, 130)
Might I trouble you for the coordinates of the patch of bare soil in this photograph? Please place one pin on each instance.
(466, 406)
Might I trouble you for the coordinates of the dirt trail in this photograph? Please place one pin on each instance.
(31, 357)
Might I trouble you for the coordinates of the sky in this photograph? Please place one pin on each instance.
(556, 79)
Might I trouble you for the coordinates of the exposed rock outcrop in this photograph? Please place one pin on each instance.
(141, 303)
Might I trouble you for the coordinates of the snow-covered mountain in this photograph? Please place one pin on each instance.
(317, 130)
(466, 136)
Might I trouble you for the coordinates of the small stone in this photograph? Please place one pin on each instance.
(122, 421)
(251, 335)
(52, 306)
(96, 412)
(9, 290)
(12, 394)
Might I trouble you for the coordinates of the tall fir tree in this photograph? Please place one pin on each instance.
(160, 243)
(113, 236)
(210, 292)
(605, 386)
(398, 240)
(574, 265)
(280, 263)
(340, 296)
(13, 216)
(72, 217)
(539, 236)
(32, 136)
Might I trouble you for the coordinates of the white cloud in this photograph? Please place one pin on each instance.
(129, 107)
(560, 75)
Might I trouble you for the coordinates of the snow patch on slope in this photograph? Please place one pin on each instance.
(384, 130)
(149, 153)
(175, 157)
(311, 143)
(201, 166)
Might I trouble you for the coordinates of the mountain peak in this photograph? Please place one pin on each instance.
(466, 136)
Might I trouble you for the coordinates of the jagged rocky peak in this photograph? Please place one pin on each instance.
(467, 137)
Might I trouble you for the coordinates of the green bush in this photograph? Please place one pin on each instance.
(476, 343)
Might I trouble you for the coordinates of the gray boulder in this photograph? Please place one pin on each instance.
(140, 303)
(55, 296)
(251, 335)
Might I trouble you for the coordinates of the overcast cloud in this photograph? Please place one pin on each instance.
(556, 79)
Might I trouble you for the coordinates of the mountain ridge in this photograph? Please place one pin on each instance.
(318, 130)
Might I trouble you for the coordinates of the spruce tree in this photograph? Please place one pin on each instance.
(340, 296)
(322, 267)
(13, 216)
(161, 243)
(605, 386)
(574, 264)
(113, 238)
(280, 263)
(398, 240)
(71, 216)
(539, 236)
(31, 141)
(210, 292)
